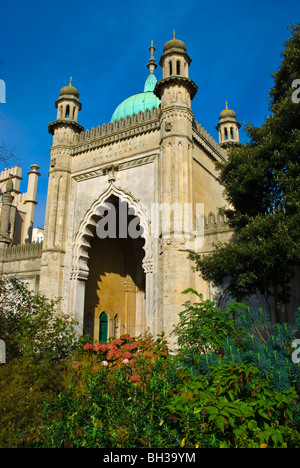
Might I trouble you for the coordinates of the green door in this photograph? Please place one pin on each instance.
(103, 328)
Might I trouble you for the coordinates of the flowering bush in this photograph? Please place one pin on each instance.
(126, 351)
(114, 397)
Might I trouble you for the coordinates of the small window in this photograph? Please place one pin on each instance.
(171, 68)
(178, 67)
(67, 112)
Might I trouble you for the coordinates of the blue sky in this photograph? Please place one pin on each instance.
(235, 47)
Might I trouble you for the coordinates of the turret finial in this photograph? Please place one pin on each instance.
(152, 65)
(71, 79)
(174, 35)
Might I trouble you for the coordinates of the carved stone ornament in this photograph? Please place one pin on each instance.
(168, 126)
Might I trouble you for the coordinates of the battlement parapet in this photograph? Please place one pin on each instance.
(216, 223)
(23, 251)
(106, 134)
(206, 140)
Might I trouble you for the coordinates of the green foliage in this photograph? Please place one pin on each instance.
(225, 388)
(203, 327)
(24, 387)
(261, 181)
(244, 336)
(30, 325)
(268, 347)
(117, 406)
(38, 340)
(245, 391)
(233, 407)
(231, 384)
(170, 406)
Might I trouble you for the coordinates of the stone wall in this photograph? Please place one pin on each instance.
(24, 262)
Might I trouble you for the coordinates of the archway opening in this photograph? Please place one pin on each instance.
(116, 282)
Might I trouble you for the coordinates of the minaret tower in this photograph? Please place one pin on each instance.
(228, 128)
(176, 88)
(64, 130)
(68, 107)
(176, 91)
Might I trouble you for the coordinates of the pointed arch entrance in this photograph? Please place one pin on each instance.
(116, 282)
(112, 275)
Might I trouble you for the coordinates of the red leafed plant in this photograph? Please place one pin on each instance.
(125, 350)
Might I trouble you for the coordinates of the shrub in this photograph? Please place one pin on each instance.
(241, 335)
(169, 406)
(25, 385)
(31, 326)
(116, 405)
(203, 327)
(233, 407)
(126, 350)
(38, 340)
(268, 347)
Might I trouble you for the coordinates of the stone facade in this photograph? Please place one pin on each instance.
(158, 157)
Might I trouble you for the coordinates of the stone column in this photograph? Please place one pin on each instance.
(30, 202)
(7, 200)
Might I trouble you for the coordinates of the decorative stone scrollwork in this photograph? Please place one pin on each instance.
(168, 126)
(148, 266)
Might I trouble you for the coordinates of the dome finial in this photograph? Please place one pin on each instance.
(71, 79)
(174, 44)
(152, 65)
(226, 104)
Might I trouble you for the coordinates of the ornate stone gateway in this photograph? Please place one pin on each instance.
(153, 153)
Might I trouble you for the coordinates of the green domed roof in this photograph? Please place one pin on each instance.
(150, 83)
(138, 102)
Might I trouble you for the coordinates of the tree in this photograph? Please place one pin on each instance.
(6, 153)
(262, 186)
